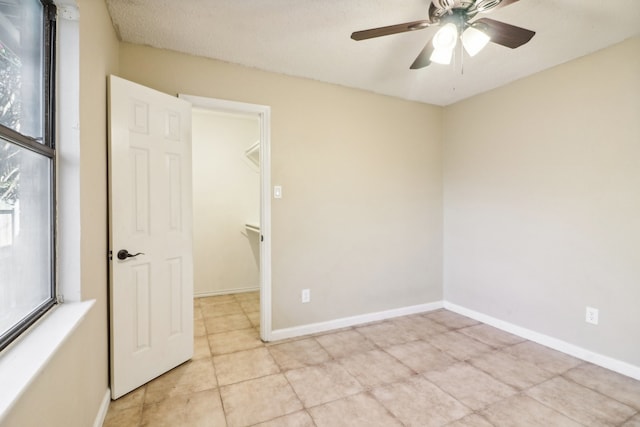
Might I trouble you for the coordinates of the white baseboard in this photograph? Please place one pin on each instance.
(102, 411)
(314, 328)
(607, 362)
(226, 292)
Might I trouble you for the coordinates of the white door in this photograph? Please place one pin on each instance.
(150, 213)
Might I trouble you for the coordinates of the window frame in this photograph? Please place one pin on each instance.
(45, 148)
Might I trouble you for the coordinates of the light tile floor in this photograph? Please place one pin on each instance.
(433, 369)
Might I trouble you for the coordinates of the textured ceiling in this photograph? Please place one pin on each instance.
(311, 39)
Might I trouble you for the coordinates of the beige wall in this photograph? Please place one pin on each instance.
(99, 48)
(542, 202)
(360, 222)
(73, 384)
(226, 196)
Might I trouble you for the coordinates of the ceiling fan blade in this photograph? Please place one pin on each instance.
(391, 29)
(424, 57)
(506, 34)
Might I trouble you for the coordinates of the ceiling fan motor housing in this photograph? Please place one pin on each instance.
(458, 17)
(469, 8)
(485, 5)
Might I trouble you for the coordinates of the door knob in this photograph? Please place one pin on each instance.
(124, 254)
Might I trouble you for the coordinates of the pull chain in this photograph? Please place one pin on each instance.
(461, 57)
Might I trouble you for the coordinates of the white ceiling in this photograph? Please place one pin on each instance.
(311, 39)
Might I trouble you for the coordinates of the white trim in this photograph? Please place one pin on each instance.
(226, 292)
(26, 358)
(104, 408)
(264, 114)
(265, 222)
(314, 328)
(615, 365)
(68, 157)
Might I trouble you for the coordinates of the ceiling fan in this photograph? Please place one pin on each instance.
(455, 19)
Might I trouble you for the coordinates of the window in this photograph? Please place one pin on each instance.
(27, 164)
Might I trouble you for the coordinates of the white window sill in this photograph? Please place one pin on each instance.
(21, 363)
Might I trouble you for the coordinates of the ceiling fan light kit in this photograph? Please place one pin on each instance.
(444, 41)
(455, 17)
(441, 56)
(474, 40)
(446, 37)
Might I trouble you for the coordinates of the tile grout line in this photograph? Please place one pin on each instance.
(503, 349)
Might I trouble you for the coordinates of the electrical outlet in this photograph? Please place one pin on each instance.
(592, 315)
(306, 295)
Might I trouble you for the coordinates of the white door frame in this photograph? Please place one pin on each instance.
(264, 114)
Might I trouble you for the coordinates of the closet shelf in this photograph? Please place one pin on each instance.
(252, 227)
(253, 153)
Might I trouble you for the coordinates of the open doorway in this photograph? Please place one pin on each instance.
(231, 173)
(226, 202)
